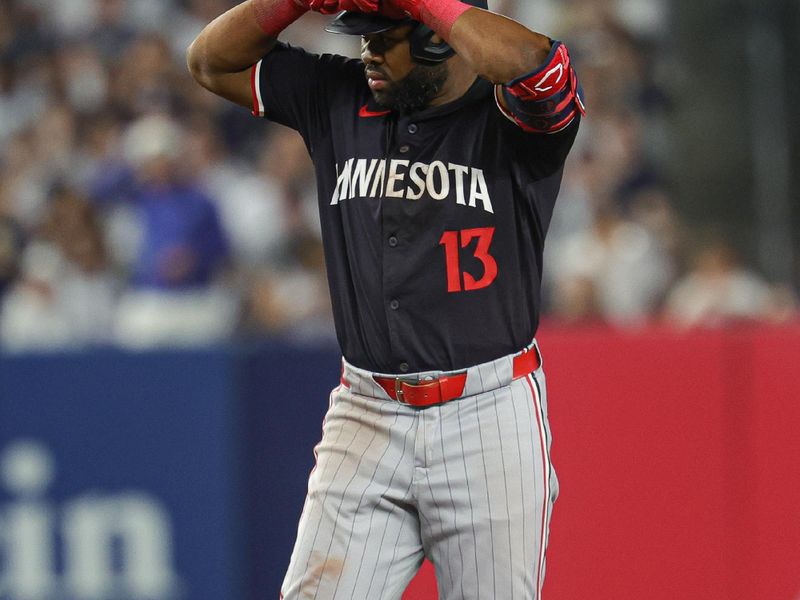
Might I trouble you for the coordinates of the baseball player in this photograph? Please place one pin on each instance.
(438, 158)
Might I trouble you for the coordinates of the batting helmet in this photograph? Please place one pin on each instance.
(423, 49)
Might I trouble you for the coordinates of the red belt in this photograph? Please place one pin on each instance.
(446, 387)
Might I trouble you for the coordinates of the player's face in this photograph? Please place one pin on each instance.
(387, 57)
(396, 81)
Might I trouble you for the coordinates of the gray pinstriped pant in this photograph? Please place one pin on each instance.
(468, 484)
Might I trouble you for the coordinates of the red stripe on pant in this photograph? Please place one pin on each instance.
(537, 404)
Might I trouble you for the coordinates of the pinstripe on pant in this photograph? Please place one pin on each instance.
(467, 484)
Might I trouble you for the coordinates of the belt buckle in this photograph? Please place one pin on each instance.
(398, 387)
(415, 381)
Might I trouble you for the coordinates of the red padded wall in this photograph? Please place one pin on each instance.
(775, 448)
(639, 446)
(679, 461)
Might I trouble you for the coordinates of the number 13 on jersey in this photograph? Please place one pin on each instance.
(453, 242)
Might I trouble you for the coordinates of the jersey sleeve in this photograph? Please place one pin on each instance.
(546, 101)
(294, 88)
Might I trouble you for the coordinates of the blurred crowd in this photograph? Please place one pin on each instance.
(138, 210)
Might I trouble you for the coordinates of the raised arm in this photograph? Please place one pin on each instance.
(221, 56)
(536, 85)
(497, 48)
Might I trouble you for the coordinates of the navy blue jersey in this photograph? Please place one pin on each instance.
(433, 223)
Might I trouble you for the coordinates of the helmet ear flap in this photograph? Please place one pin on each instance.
(424, 50)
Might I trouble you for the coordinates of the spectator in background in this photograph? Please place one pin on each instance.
(574, 301)
(652, 208)
(719, 290)
(11, 244)
(616, 269)
(88, 288)
(174, 295)
(30, 316)
(66, 297)
(292, 301)
(146, 78)
(112, 31)
(252, 205)
(83, 77)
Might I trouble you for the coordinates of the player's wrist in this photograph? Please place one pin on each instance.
(439, 15)
(273, 16)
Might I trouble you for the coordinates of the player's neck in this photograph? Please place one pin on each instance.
(460, 79)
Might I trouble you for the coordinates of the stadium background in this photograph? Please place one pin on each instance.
(166, 349)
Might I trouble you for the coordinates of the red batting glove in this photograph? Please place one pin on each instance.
(326, 7)
(402, 9)
(329, 7)
(365, 6)
(439, 15)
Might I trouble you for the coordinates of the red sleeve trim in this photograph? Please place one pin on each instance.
(545, 101)
(255, 85)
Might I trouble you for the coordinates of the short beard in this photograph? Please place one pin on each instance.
(416, 90)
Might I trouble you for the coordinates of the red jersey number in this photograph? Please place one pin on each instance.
(452, 242)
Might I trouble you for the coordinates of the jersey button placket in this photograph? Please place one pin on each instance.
(413, 128)
(393, 216)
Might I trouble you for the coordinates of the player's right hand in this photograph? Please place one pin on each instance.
(329, 7)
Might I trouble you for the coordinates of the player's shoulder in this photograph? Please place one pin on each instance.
(312, 64)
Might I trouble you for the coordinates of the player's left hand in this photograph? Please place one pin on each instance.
(401, 9)
(326, 7)
(365, 6)
(329, 7)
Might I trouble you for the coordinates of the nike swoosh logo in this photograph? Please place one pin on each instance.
(366, 112)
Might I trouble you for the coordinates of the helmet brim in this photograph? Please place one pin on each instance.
(356, 23)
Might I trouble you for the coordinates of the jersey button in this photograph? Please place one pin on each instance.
(412, 129)
(404, 367)
(393, 242)
(404, 148)
(394, 304)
